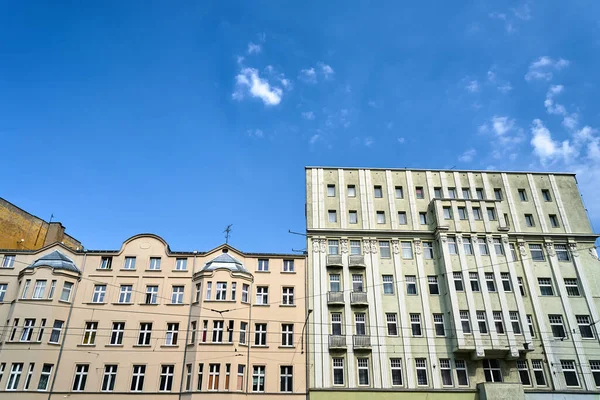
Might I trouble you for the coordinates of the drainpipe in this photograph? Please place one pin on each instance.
(64, 338)
(187, 330)
(306, 305)
(249, 335)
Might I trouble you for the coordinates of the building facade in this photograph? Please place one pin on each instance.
(442, 284)
(149, 321)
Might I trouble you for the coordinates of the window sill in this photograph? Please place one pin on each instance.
(127, 269)
(64, 301)
(47, 300)
(262, 272)
(286, 347)
(113, 345)
(176, 304)
(104, 269)
(152, 270)
(288, 272)
(142, 345)
(217, 343)
(51, 344)
(122, 304)
(262, 305)
(91, 303)
(219, 301)
(287, 305)
(169, 345)
(147, 304)
(86, 345)
(260, 346)
(179, 270)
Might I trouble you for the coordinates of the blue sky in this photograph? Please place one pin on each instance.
(179, 118)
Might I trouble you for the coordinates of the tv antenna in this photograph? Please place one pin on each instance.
(227, 233)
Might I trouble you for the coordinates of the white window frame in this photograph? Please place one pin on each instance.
(421, 368)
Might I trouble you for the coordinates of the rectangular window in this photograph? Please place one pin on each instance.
(569, 372)
(260, 334)
(477, 213)
(287, 334)
(522, 194)
(357, 283)
(572, 286)
(38, 290)
(384, 249)
(363, 371)
(438, 323)
(585, 327)
(465, 321)
(462, 213)
(483, 248)
(562, 253)
(538, 372)
(380, 217)
(263, 264)
(137, 379)
(105, 263)
(407, 253)
(262, 295)
(437, 193)
(181, 264)
(331, 216)
(65, 295)
(151, 294)
(334, 283)
(286, 382)
(396, 368)
(482, 322)
(402, 218)
(41, 330)
(491, 370)
(447, 213)
(45, 377)
(221, 292)
(125, 294)
(81, 372)
(208, 290)
(529, 220)
(245, 289)
(336, 324)
(217, 332)
(351, 191)
(537, 253)
(466, 193)
(188, 377)
(334, 247)
(27, 332)
(145, 334)
(423, 218)
(154, 263)
(530, 325)
(556, 323)
(491, 212)
(234, 290)
(108, 380)
(338, 371)
(498, 249)
(419, 192)
(167, 373)
(546, 195)
(553, 220)
(129, 263)
(523, 372)
(177, 295)
(243, 330)
(461, 372)
(415, 324)
(489, 280)
(29, 376)
(3, 288)
(330, 190)
(498, 322)
(355, 248)
(214, 371)
(193, 329)
(89, 333)
(446, 372)
(546, 286)
(378, 193)
(392, 324)
(116, 335)
(288, 296)
(172, 333)
(467, 246)
(15, 375)
(521, 286)
(411, 284)
(352, 217)
(421, 367)
(241, 376)
(452, 193)
(359, 323)
(505, 276)
(595, 367)
(8, 261)
(433, 285)
(388, 284)
(452, 245)
(428, 250)
(515, 322)
(258, 378)
(288, 266)
(399, 192)
(99, 294)
(56, 331)
(458, 281)
(498, 193)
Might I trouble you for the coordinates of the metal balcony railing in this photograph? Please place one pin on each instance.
(335, 297)
(358, 298)
(361, 341)
(337, 341)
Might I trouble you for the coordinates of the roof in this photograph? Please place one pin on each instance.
(225, 261)
(56, 260)
(445, 170)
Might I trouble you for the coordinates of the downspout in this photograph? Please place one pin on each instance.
(62, 344)
(249, 338)
(187, 330)
(306, 305)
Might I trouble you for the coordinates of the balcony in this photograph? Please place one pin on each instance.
(359, 299)
(335, 298)
(356, 261)
(337, 342)
(361, 342)
(334, 260)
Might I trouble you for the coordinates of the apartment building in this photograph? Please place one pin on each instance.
(450, 284)
(149, 321)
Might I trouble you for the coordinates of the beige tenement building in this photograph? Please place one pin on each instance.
(441, 284)
(149, 321)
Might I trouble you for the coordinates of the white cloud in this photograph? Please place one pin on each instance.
(468, 155)
(570, 120)
(240, 59)
(326, 70)
(308, 75)
(504, 130)
(249, 82)
(389, 125)
(472, 86)
(256, 133)
(505, 88)
(372, 104)
(308, 115)
(369, 141)
(491, 75)
(547, 149)
(401, 140)
(314, 138)
(523, 12)
(542, 68)
(254, 48)
(501, 125)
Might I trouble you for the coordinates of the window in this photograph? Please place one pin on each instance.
(423, 218)
(110, 375)
(530, 325)
(260, 335)
(446, 372)
(572, 286)
(452, 245)
(240, 376)
(562, 253)
(45, 377)
(359, 322)
(363, 371)
(553, 220)
(546, 286)
(498, 247)
(568, 368)
(287, 334)
(438, 323)
(145, 334)
(380, 217)
(334, 282)
(355, 247)
(27, 332)
(221, 291)
(467, 246)
(452, 193)
(595, 367)
(217, 332)
(3, 288)
(465, 321)
(407, 253)
(331, 216)
(466, 193)
(288, 265)
(338, 371)
(522, 194)
(461, 372)
(351, 191)
(213, 376)
(462, 213)
(8, 262)
(437, 193)
(81, 372)
(66, 291)
(433, 285)
(137, 379)
(188, 377)
(428, 250)
(479, 193)
(166, 378)
(458, 282)
(538, 372)
(243, 330)
(234, 290)
(419, 192)
(521, 286)
(125, 294)
(396, 367)
(411, 284)
(415, 324)
(556, 323)
(421, 366)
(523, 372)
(116, 335)
(402, 218)
(129, 263)
(378, 192)
(99, 293)
(529, 220)
(392, 324)
(334, 247)
(399, 192)
(263, 264)
(230, 331)
(151, 294)
(384, 249)
(482, 322)
(286, 378)
(181, 264)
(505, 276)
(388, 284)
(41, 330)
(483, 248)
(537, 254)
(489, 280)
(38, 290)
(105, 263)
(477, 213)
(245, 289)
(515, 322)
(352, 217)
(29, 375)
(336, 324)
(258, 378)
(15, 375)
(208, 290)
(330, 190)
(56, 331)
(498, 194)
(498, 323)
(154, 263)
(491, 212)
(447, 213)
(585, 329)
(262, 295)
(357, 283)
(288, 296)
(172, 333)
(177, 295)
(89, 333)
(491, 370)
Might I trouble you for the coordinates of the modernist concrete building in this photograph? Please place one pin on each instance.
(440, 284)
(149, 321)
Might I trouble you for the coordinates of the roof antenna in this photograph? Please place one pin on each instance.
(227, 232)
